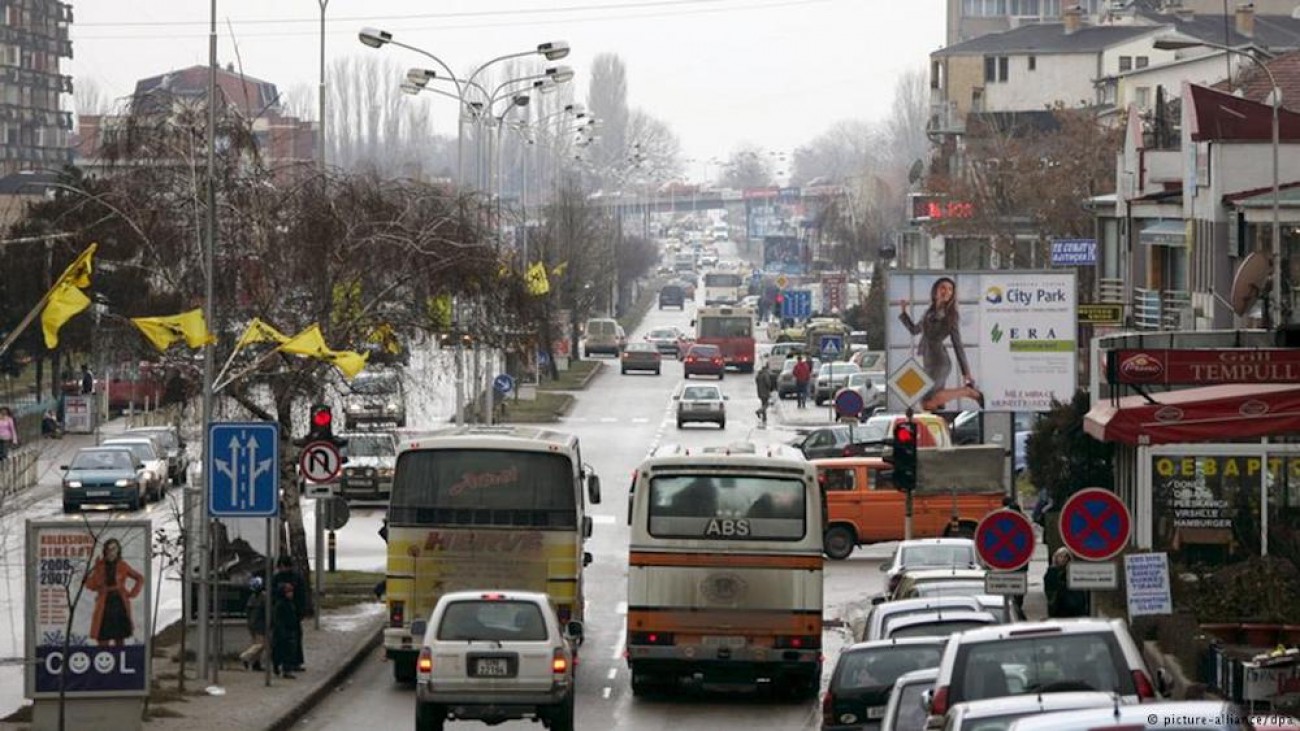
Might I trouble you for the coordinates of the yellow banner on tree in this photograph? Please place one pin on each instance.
(536, 280)
(260, 332)
(163, 331)
(65, 298)
(311, 343)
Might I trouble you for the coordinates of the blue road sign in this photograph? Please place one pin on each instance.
(832, 346)
(503, 383)
(797, 304)
(848, 403)
(243, 470)
(1074, 252)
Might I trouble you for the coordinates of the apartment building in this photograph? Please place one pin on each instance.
(33, 126)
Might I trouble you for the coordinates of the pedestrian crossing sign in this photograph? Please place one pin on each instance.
(832, 346)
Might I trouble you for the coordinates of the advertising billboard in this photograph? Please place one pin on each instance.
(784, 255)
(88, 622)
(1001, 341)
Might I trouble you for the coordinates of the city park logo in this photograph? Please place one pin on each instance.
(993, 296)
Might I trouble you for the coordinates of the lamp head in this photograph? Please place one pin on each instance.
(520, 100)
(412, 88)
(554, 51)
(577, 109)
(1175, 42)
(374, 37)
(420, 77)
(560, 74)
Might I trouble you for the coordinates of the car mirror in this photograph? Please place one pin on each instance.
(587, 558)
(140, 466)
(878, 599)
(927, 699)
(677, 397)
(63, 467)
(418, 627)
(593, 489)
(573, 630)
(587, 525)
(725, 397)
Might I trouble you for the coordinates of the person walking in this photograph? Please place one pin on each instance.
(1062, 601)
(763, 385)
(8, 432)
(286, 632)
(255, 608)
(285, 573)
(87, 380)
(802, 376)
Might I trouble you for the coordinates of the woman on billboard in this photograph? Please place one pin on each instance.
(940, 323)
(112, 624)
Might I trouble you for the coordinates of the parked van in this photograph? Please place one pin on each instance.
(604, 335)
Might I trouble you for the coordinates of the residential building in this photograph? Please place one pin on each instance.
(969, 19)
(20, 190)
(1139, 88)
(33, 40)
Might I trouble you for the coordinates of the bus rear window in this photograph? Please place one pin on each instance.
(726, 327)
(727, 507)
(483, 487)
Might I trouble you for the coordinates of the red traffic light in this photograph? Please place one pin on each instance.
(905, 434)
(780, 298)
(321, 417)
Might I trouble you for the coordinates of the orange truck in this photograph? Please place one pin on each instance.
(956, 487)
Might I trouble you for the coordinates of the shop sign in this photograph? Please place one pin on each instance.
(1148, 366)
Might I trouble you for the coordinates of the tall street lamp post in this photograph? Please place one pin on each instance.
(209, 262)
(1278, 313)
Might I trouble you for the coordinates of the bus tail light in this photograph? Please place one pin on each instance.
(397, 614)
(798, 642)
(652, 638)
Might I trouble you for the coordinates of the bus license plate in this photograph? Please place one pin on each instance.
(716, 641)
(491, 667)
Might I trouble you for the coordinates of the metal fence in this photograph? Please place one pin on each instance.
(18, 471)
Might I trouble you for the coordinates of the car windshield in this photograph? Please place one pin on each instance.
(370, 445)
(659, 334)
(949, 588)
(166, 438)
(140, 450)
(103, 459)
(874, 430)
(839, 369)
(911, 714)
(493, 621)
(640, 348)
(374, 385)
(870, 361)
(938, 555)
(937, 628)
(709, 351)
(1085, 660)
(859, 379)
(701, 393)
(880, 666)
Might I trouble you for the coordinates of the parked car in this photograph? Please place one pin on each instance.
(912, 579)
(375, 397)
(103, 476)
(864, 676)
(146, 452)
(826, 441)
(878, 619)
(905, 712)
(1041, 657)
(495, 657)
(830, 378)
(666, 340)
(704, 360)
(368, 474)
(996, 714)
(879, 428)
(961, 587)
(779, 352)
(1173, 716)
(169, 437)
(929, 553)
(701, 403)
(640, 357)
(672, 295)
(938, 623)
(605, 336)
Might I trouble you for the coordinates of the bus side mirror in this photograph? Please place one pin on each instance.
(593, 489)
(927, 700)
(586, 526)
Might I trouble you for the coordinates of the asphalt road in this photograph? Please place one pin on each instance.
(619, 419)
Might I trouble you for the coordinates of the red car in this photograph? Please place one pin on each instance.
(704, 360)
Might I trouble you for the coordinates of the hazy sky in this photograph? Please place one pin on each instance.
(771, 72)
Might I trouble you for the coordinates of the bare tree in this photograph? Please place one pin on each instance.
(905, 128)
(607, 100)
(846, 149)
(88, 97)
(656, 146)
(748, 167)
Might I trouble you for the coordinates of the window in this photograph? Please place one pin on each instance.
(837, 480)
(990, 69)
(722, 507)
(1033, 63)
(1142, 62)
(1125, 63)
(1003, 65)
(1142, 97)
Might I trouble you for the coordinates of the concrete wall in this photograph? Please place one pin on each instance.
(1205, 70)
(1065, 78)
(961, 76)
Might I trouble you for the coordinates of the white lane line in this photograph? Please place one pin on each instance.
(613, 673)
(622, 609)
(603, 519)
(640, 420)
(621, 643)
(608, 419)
(606, 692)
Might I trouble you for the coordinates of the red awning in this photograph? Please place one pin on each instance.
(1207, 414)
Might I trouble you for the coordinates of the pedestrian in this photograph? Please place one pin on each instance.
(1062, 601)
(87, 380)
(763, 384)
(286, 632)
(50, 426)
(1043, 506)
(802, 377)
(285, 573)
(255, 608)
(8, 432)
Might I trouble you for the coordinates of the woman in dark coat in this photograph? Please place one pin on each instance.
(939, 324)
(286, 632)
(1062, 601)
(116, 585)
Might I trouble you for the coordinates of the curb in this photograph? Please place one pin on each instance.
(326, 686)
(567, 406)
(600, 368)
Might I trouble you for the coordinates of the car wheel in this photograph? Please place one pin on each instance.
(623, 371)
(838, 542)
(70, 508)
(134, 503)
(722, 424)
(429, 717)
(657, 372)
(680, 423)
(562, 715)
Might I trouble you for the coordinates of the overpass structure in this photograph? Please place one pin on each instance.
(749, 199)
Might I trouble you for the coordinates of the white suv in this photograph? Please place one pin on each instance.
(1059, 655)
(495, 657)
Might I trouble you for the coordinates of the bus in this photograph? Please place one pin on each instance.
(723, 288)
(724, 581)
(732, 330)
(483, 507)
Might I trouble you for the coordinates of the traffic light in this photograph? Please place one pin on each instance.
(903, 457)
(320, 427)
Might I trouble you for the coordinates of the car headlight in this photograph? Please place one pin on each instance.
(386, 472)
(353, 408)
(72, 483)
(392, 406)
(149, 475)
(119, 483)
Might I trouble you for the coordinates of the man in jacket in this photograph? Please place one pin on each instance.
(256, 611)
(285, 573)
(802, 377)
(763, 385)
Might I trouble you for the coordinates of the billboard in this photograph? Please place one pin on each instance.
(1003, 340)
(784, 255)
(88, 622)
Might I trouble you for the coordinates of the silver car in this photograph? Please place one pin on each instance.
(153, 476)
(368, 474)
(375, 398)
(831, 377)
(701, 403)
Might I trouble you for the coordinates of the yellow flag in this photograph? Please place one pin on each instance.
(260, 332)
(536, 280)
(64, 302)
(309, 342)
(348, 362)
(78, 272)
(187, 326)
(560, 269)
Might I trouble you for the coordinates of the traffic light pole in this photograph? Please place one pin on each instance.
(907, 497)
(320, 560)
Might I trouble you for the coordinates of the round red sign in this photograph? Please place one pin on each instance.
(1004, 540)
(1095, 524)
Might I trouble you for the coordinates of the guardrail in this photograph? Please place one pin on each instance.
(18, 470)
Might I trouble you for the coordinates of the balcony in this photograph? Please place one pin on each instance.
(944, 119)
(1110, 291)
(1155, 309)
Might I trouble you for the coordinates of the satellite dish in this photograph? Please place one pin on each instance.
(1248, 283)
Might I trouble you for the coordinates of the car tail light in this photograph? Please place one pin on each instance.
(828, 709)
(492, 597)
(652, 638)
(396, 614)
(939, 704)
(559, 662)
(424, 665)
(717, 361)
(1145, 690)
(798, 642)
(690, 359)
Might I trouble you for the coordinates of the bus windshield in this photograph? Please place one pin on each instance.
(721, 279)
(727, 507)
(726, 327)
(483, 487)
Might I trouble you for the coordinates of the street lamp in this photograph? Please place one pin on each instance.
(1174, 42)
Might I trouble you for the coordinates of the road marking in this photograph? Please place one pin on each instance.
(621, 643)
(608, 420)
(640, 420)
(603, 519)
(613, 673)
(622, 608)
(607, 692)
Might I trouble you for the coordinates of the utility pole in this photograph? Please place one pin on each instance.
(320, 129)
(209, 262)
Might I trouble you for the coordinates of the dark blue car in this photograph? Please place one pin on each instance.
(103, 476)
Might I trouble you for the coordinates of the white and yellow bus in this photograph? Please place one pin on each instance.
(725, 570)
(484, 508)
